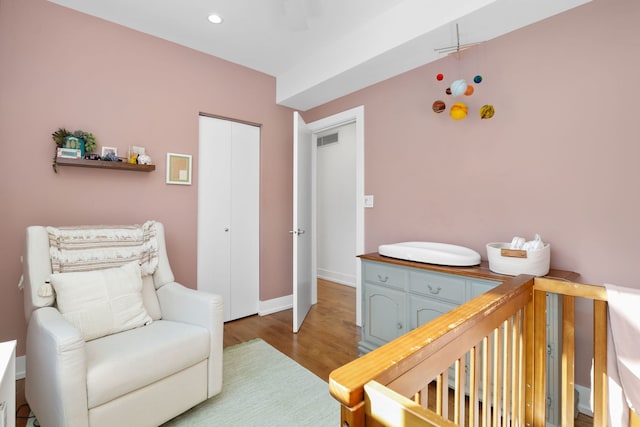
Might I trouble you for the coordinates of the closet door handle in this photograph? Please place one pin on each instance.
(383, 279)
(226, 229)
(297, 232)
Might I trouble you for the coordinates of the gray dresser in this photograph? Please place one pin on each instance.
(397, 299)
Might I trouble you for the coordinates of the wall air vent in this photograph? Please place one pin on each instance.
(327, 139)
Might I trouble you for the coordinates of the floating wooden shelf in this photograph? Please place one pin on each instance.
(103, 164)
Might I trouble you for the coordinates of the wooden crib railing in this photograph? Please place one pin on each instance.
(481, 364)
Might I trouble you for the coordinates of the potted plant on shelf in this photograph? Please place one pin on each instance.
(79, 140)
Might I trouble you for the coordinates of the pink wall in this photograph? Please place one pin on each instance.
(560, 157)
(60, 68)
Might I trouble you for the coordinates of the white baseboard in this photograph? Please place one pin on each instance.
(336, 277)
(584, 400)
(274, 305)
(21, 364)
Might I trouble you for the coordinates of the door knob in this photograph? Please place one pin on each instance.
(296, 232)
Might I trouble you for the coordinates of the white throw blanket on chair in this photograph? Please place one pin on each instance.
(623, 357)
(88, 248)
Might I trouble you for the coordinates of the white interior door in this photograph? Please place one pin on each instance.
(301, 231)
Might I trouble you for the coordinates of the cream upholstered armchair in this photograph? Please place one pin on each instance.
(112, 339)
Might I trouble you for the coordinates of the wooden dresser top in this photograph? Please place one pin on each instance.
(480, 271)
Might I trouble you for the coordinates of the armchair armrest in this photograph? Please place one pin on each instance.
(57, 358)
(181, 304)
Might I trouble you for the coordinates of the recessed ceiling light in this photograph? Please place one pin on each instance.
(215, 19)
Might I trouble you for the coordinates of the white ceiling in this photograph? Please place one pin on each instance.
(319, 50)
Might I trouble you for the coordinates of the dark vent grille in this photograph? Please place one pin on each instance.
(328, 139)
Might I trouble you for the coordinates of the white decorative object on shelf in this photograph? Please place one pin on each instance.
(144, 159)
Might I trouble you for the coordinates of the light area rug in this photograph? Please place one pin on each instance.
(263, 387)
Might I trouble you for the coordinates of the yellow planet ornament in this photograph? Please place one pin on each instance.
(487, 111)
(458, 111)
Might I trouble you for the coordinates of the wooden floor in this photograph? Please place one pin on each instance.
(328, 338)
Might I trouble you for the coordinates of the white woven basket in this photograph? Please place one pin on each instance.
(536, 262)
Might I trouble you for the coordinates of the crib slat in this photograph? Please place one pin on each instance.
(508, 373)
(540, 357)
(444, 392)
(474, 404)
(513, 381)
(486, 385)
(599, 363)
(459, 392)
(439, 395)
(529, 315)
(497, 376)
(568, 360)
(521, 369)
(424, 396)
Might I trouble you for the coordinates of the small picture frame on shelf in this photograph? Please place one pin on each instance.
(69, 153)
(136, 150)
(178, 168)
(107, 150)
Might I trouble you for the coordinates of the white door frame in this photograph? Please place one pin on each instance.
(354, 115)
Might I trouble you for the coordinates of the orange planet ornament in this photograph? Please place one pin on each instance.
(469, 90)
(458, 111)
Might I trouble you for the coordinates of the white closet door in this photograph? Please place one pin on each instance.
(214, 213)
(245, 219)
(228, 214)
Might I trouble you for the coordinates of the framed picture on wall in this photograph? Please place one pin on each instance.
(178, 168)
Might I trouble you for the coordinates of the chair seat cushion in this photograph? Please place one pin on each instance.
(120, 363)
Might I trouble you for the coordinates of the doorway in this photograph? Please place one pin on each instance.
(323, 127)
(336, 205)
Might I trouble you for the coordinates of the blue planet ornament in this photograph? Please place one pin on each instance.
(477, 79)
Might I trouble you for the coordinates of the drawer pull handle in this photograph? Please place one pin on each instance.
(399, 325)
(383, 279)
(436, 291)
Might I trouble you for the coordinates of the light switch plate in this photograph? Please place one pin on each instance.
(368, 201)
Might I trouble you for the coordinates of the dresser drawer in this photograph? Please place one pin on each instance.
(479, 287)
(424, 310)
(440, 286)
(384, 274)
